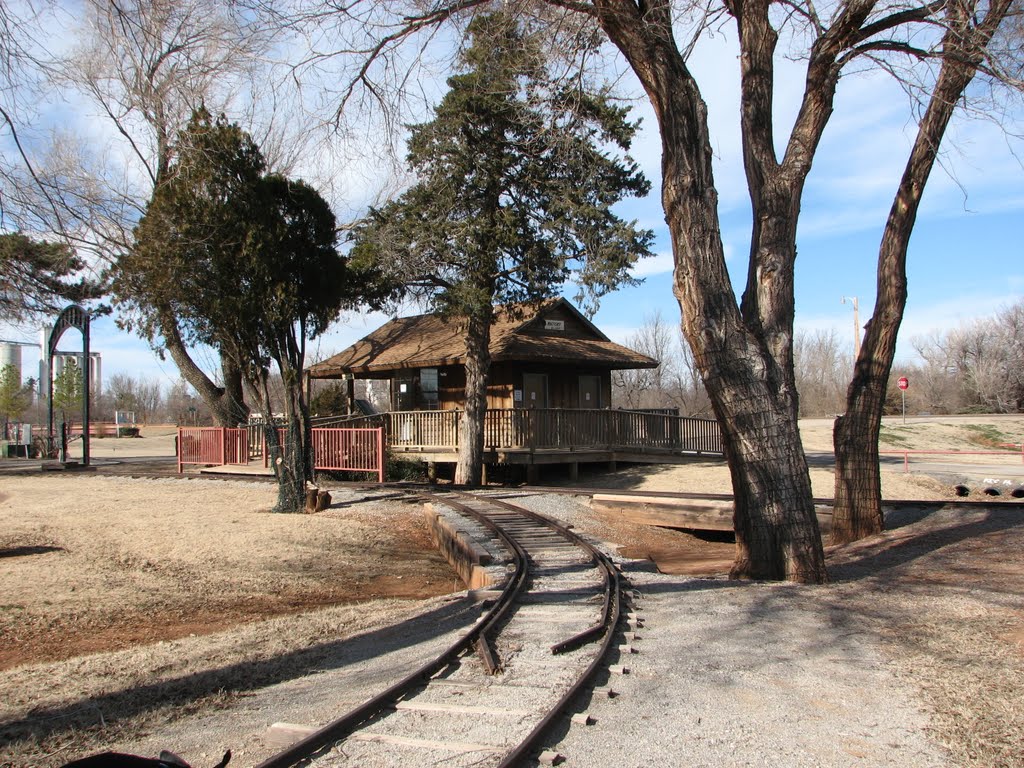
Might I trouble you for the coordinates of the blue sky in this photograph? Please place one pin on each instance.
(966, 258)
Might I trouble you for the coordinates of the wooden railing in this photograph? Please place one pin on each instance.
(558, 429)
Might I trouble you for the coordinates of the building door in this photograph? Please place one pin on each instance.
(403, 393)
(535, 390)
(590, 392)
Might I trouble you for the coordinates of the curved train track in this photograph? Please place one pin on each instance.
(490, 698)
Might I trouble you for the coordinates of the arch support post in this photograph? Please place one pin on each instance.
(72, 316)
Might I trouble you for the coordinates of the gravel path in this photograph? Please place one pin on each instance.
(738, 675)
(913, 656)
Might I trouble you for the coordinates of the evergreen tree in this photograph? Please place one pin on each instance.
(517, 175)
(68, 388)
(247, 263)
(38, 277)
(15, 397)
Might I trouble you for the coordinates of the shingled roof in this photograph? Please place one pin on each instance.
(428, 341)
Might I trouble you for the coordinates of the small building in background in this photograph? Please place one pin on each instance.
(547, 355)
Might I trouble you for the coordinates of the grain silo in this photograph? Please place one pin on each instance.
(10, 354)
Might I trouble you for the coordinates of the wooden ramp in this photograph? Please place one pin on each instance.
(678, 512)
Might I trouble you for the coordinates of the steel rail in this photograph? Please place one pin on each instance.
(348, 723)
(352, 721)
(611, 614)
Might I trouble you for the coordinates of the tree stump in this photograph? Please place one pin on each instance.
(312, 496)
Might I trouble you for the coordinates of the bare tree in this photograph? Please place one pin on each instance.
(675, 383)
(822, 371)
(145, 65)
(184, 407)
(934, 387)
(647, 387)
(969, 28)
(142, 396)
(978, 366)
(22, 71)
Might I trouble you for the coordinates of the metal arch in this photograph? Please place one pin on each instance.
(72, 316)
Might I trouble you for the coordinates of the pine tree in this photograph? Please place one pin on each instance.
(517, 176)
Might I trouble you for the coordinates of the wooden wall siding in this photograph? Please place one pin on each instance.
(505, 378)
(559, 429)
(564, 386)
(451, 386)
(574, 329)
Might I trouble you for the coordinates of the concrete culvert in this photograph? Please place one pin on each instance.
(1017, 493)
(961, 490)
(991, 491)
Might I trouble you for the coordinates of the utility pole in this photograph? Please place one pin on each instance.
(856, 324)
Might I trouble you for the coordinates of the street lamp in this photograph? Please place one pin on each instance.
(856, 324)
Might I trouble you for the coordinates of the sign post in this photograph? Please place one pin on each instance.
(903, 382)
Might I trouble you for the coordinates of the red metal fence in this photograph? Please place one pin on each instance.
(906, 454)
(349, 450)
(211, 445)
(336, 450)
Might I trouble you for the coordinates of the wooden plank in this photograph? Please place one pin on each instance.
(460, 709)
(672, 512)
(667, 512)
(406, 741)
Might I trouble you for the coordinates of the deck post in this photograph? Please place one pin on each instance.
(532, 473)
(574, 471)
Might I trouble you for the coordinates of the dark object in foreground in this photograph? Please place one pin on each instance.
(118, 760)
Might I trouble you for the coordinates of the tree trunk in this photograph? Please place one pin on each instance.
(469, 469)
(291, 470)
(858, 485)
(777, 534)
(233, 399)
(296, 467)
(745, 359)
(225, 403)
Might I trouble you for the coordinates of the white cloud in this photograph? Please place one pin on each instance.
(658, 264)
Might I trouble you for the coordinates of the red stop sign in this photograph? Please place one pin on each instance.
(902, 382)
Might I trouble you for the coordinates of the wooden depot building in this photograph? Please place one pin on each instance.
(548, 394)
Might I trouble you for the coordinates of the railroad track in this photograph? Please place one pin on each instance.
(490, 698)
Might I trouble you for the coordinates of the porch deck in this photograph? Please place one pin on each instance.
(550, 436)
